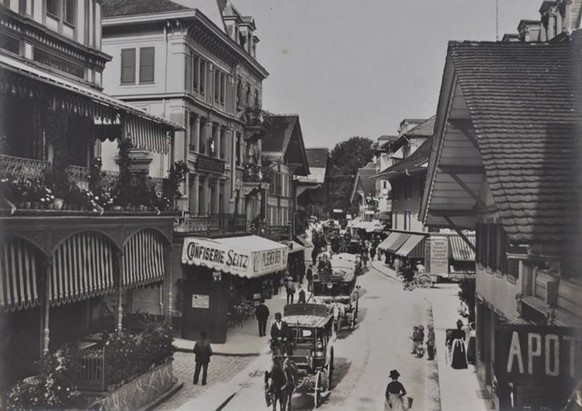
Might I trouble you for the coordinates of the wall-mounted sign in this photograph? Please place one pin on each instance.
(538, 354)
(201, 301)
(437, 255)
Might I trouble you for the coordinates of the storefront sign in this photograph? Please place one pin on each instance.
(265, 260)
(200, 301)
(215, 254)
(437, 255)
(538, 354)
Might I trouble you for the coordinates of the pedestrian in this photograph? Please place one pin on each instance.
(280, 334)
(290, 290)
(407, 277)
(203, 352)
(396, 264)
(314, 255)
(414, 338)
(455, 342)
(372, 253)
(471, 349)
(301, 269)
(395, 394)
(301, 296)
(420, 341)
(430, 342)
(262, 314)
(309, 276)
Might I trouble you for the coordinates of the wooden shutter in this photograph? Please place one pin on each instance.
(146, 64)
(128, 66)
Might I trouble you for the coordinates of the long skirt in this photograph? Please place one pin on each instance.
(459, 358)
(398, 403)
(471, 354)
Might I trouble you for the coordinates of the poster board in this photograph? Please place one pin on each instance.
(437, 255)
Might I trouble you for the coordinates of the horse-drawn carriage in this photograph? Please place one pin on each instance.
(309, 364)
(338, 289)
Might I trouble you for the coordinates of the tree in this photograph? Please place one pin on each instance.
(345, 159)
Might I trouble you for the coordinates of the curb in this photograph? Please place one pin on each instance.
(169, 393)
(222, 354)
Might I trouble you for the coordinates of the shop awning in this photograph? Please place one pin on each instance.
(388, 241)
(412, 241)
(18, 268)
(143, 260)
(145, 130)
(459, 250)
(249, 256)
(294, 247)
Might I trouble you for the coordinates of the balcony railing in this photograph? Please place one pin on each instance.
(273, 232)
(211, 224)
(214, 165)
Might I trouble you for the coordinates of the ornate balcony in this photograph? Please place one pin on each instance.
(211, 225)
(209, 164)
(273, 232)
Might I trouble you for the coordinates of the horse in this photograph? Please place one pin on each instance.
(280, 383)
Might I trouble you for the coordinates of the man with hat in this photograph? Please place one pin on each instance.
(280, 334)
(262, 313)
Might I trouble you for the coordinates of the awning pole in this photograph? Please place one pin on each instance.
(168, 273)
(46, 334)
(119, 291)
(458, 231)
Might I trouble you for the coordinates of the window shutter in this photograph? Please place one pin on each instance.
(492, 246)
(128, 66)
(146, 64)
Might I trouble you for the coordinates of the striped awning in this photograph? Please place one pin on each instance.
(82, 267)
(460, 250)
(18, 276)
(143, 260)
(388, 241)
(147, 135)
(412, 241)
(402, 237)
(418, 251)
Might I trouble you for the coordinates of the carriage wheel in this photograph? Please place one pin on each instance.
(330, 369)
(318, 389)
(425, 281)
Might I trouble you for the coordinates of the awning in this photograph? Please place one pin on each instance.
(143, 260)
(293, 246)
(388, 241)
(82, 267)
(249, 256)
(18, 268)
(460, 250)
(409, 245)
(145, 130)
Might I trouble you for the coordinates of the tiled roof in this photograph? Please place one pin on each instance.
(279, 133)
(112, 8)
(525, 104)
(425, 128)
(317, 157)
(387, 138)
(413, 162)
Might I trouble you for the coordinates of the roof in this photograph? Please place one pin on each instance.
(111, 8)
(412, 163)
(524, 104)
(278, 140)
(364, 181)
(425, 128)
(317, 157)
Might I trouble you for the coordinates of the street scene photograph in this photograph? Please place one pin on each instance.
(253, 205)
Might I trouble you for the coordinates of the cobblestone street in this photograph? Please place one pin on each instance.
(221, 369)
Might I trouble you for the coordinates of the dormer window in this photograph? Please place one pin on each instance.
(242, 39)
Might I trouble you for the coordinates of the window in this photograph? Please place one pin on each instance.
(65, 10)
(146, 64)
(216, 85)
(202, 76)
(52, 7)
(222, 87)
(492, 246)
(248, 95)
(70, 11)
(196, 72)
(128, 66)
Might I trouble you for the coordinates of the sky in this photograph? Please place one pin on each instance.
(359, 67)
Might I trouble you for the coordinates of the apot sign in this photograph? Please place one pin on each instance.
(538, 354)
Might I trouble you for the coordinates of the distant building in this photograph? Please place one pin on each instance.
(312, 190)
(364, 192)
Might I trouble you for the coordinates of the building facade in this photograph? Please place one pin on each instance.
(71, 262)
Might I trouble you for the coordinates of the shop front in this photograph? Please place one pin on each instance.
(537, 367)
(224, 279)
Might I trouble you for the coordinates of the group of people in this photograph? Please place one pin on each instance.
(418, 341)
(460, 343)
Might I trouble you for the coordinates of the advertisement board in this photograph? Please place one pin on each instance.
(531, 354)
(200, 301)
(437, 255)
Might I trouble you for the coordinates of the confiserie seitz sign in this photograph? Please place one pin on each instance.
(538, 354)
(218, 256)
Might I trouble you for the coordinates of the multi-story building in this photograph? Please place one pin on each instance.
(70, 263)
(382, 155)
(312, 189)
(511, 171)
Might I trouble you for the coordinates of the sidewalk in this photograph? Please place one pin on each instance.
(245, 340)
(452, 383)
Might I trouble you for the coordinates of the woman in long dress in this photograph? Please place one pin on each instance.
(395, 394)
(456, 343)
(471, 351)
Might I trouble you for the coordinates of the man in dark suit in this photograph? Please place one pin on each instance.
(262, 313)
(280, 335)
(203, 351)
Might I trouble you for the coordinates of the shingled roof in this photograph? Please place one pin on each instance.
(413, 163)
(317, 157)
(113, 8)
(525, 104)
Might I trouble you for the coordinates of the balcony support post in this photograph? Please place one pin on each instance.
(119, 326)
(45, 320)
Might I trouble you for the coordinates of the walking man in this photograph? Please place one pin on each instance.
(290, 290)
(309, 276)
(203, 351)
(262, 314)
(301, 298)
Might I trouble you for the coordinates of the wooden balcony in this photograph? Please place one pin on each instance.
(211, 225)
